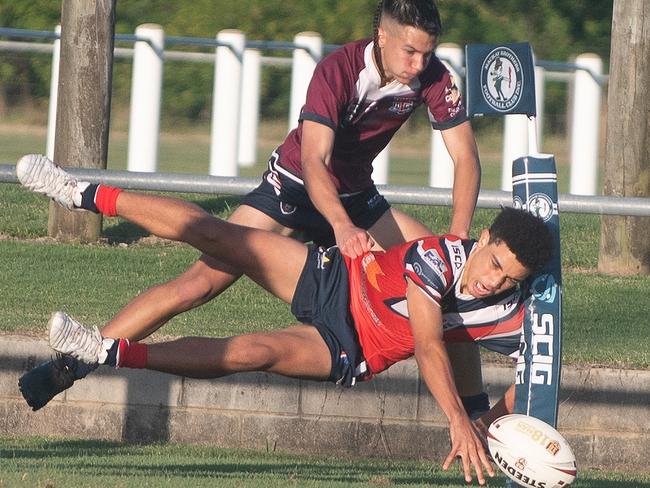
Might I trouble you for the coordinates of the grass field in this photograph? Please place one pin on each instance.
(604, 324)
(604, 316)
(51, 463)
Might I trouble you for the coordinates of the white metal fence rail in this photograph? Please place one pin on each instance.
(236, 100)
(220, 185)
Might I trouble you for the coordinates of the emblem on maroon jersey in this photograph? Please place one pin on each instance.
(402, 106)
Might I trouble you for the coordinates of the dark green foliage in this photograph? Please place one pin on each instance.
(557, 30)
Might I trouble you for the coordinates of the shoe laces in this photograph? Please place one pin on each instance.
(59, 181)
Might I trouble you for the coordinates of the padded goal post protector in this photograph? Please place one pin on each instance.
(500, 79)
(537, 379)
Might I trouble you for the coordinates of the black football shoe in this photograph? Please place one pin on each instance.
(44, 382)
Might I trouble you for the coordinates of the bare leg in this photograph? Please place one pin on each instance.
(200, 283)
(395, 227)
(274, 261)
(298, 352)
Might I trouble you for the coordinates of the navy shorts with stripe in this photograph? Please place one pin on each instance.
(286, 201)
(322, 299)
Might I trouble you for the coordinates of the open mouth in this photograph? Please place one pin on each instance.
(481, 290)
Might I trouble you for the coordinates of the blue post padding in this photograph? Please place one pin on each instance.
(500, 79)
(534, 188)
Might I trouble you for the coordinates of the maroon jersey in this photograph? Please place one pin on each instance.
(345, 95)
(436, 265)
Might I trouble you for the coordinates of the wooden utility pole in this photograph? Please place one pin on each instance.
(625, 241)
(84, 101)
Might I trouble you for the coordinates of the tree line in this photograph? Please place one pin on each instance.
(557, 30)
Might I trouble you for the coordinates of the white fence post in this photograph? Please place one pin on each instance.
(54, 95)
(250, 108)
(540, 81)
(441, 167)
(380, 167)
(516, 137)
(585, 126)
(146, 90)
(226, 103)
(304, 62)
(515, 145)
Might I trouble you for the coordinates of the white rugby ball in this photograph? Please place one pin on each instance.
(531, 452)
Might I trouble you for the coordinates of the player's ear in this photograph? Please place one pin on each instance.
(381, 36)
(484, 238)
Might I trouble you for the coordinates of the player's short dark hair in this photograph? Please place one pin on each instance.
(525, 234)
(421, 14)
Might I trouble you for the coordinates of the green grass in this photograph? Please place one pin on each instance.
(53, 462)
(604, 316)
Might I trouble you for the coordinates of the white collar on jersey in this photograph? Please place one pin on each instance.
(369, 81)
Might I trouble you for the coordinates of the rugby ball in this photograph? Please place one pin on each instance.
(531, 452)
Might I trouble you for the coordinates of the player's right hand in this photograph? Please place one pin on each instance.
(468, 447)
(353, 241)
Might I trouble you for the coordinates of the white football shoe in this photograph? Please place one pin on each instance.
(37, 173)
(68, 336)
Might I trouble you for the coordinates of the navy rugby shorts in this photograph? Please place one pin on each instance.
(322, 299)
(286, 201)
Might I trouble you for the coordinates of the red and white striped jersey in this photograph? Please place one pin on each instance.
(436, 265)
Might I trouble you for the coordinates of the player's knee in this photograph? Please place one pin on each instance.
(246, 353)
(194, 291)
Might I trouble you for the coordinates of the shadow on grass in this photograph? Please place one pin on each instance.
(89, 458)
(127, 233)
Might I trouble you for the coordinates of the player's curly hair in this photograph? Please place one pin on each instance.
(525, 234)
(422, 14)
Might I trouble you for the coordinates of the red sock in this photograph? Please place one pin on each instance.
(106, 199)
(132, 355)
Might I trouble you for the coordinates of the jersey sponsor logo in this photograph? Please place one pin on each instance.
(457, 255)
(372, 269)
(429, 267)
(452, 97)
(502, 79)
(433, 259)
(402, 106)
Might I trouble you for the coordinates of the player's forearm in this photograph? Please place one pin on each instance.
(467, 179)
(323, 193)
(435, 368)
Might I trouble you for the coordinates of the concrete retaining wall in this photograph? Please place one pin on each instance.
(603, 412)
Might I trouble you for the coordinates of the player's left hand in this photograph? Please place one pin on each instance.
(466, 445)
